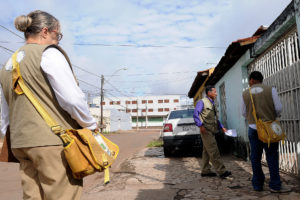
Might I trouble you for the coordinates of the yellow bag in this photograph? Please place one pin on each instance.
(267, 131)
(85, 155)
(83, 152)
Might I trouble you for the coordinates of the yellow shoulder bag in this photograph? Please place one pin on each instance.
(86, 152)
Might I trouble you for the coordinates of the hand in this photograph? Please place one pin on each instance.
(97, 129)
(224, 130)
(202, 130)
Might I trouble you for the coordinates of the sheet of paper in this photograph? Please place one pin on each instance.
(231, 133)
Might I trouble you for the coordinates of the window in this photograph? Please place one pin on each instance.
(134, 102)
(160, 110)
(150, 101)
(160, 101)
(150, 110)
(176, 100)
(167, 109)
(127, 102)
(144, 101)
(118, 102)
(103, 103)
(134, 110)
(166, 101)
(111, 103)
(128, 110)
(178, 114)
(143, 110)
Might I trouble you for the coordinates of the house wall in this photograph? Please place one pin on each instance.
(236, 82)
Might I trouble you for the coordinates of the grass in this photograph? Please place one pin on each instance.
(110, 133)
(156, 143)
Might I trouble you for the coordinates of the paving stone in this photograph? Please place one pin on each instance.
(290, 196)
(180, 178)
(270, 197)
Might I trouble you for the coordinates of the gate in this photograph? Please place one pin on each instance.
(280, 66)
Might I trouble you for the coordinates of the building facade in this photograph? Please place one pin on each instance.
(145, 111)
(113, 120)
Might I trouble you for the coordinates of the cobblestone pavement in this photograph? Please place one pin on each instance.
(149, 175)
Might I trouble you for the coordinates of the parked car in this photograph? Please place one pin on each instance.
(180, 132)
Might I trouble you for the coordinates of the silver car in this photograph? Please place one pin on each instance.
(180, 132)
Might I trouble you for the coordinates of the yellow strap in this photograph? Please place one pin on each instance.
(20, 88)
(254, 111)
(106, 176)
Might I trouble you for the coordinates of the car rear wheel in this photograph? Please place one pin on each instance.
(167, 152)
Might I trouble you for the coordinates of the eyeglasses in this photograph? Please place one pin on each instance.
(58, 35)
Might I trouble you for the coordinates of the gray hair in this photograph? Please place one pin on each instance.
(35, 21)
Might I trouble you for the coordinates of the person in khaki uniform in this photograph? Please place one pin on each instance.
(205, 116)
(47, 72)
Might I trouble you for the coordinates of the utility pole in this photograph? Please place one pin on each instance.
(137, 114)
(146, 114)
(101, 104)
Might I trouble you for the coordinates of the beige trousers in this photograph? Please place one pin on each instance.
(211, 154)
(46, 175)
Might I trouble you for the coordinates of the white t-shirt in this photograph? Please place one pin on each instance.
(68, 94)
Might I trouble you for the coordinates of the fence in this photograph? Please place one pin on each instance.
(280, 66)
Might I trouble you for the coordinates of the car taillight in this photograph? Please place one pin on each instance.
(168, 128)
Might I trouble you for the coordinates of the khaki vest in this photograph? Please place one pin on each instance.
(27, 127)
(208, 116)
(263, 102)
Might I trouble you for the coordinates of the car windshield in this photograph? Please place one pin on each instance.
(181, 114)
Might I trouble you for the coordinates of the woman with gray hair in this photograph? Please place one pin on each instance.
(47, 72)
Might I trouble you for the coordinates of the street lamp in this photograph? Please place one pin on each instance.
(102, 95)
(113, 74)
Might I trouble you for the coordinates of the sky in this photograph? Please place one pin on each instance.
(142, 47)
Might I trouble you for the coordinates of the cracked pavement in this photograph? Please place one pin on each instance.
(149, 175)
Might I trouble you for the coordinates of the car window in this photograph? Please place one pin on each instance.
(181, 114)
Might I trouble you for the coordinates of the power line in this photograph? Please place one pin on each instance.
(7, 49)
(112, 95)
(11, 32)
(115, 88)
(86, 71)
(129, 45)
(141, 74)
(146, 46)
(88, 83)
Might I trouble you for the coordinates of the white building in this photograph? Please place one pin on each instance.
(147, 110)
(113, 119)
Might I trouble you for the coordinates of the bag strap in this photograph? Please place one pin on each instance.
(253, 107)
(20, 87)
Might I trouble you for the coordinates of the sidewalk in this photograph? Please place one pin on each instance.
(149, 175)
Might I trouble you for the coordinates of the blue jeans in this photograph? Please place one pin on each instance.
(272, 155)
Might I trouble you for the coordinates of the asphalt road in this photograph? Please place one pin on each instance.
(129, 142)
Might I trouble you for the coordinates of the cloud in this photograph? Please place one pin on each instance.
(169, 24)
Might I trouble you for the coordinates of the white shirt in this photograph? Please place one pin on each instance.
(68, 94)
(276, 101)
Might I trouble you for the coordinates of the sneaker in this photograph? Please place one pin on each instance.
(211, 174)
(225, 174)
(283, 189)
